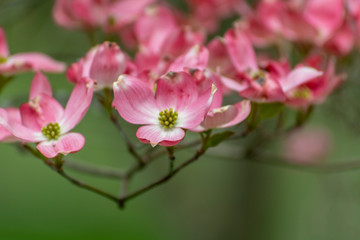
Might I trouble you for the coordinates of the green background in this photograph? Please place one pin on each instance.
(215, 198)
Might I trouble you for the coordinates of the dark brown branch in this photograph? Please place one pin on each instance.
(62, 173)
(163, 179)
(87, 186)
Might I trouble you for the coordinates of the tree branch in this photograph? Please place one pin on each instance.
(62, 173)
(94, 170)
(163, 179)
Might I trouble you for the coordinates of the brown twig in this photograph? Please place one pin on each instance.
(161, 180)
(62, 173)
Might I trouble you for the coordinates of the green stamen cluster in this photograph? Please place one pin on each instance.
(3, 59)
(111, 21)
(259, 77)
(168, 118)
(303, 93)
(51, 131)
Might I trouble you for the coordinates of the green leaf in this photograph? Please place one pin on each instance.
(263, 111)
(216, 139)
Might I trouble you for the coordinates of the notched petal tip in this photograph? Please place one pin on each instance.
(120, 83)
(213, 89)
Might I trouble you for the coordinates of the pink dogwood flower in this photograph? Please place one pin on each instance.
(316, 90)
(44, 121)
(162, 38)
(22, 62)
(109, 15)
(102, 64)
(209, 13)
(261, 82)
(322, 23)
(76, 14)
(175, 106)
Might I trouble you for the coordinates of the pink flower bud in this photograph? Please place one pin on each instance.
(108, 63)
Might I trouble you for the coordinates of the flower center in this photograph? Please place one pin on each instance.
(259, 77)
(3, 59)
(111, 21)
(51, 131)
(303, 93)
(168, 118)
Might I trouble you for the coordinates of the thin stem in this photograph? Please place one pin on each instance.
(87, 186)
(171, 158)
(106, 103)
(62, 173)
(163, 179)
(94, 170)
(172, 172)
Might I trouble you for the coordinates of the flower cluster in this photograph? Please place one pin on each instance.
(176, 81)
(178, 73)
(329, 24)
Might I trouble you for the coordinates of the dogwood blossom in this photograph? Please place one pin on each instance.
(44, 121)
(175, 105)
(22, 62)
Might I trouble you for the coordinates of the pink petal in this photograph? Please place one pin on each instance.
(219, 58)
(37, 62)
(4, 51)
(75, 71)
(196, 58)
(226, 116)
(210, 79)
(325, 15)
(243, 110)
(61, 16)
(180, 40)
(39, 111)
(108, 63)
(5, 135)
(13, 115)
(77, 105)
(233, 84)
(134, 100)
(240, 50)
(176, 90)
(18, 130)
(342, 41)
(153, 29)
(125, 11)
(193, 114)
(68, 143)
(157, 135)
(299, 76)
(40, 85)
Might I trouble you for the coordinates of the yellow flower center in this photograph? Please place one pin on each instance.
(259, 77)
(303, 93)
(3, 59)
(51, 131)
(167, 118)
